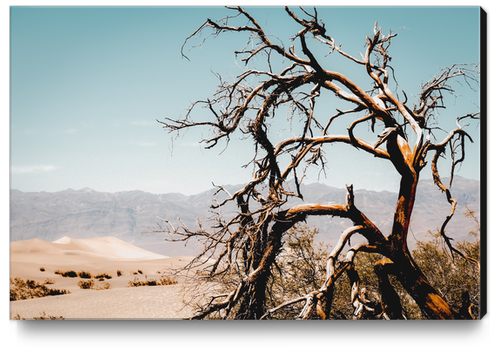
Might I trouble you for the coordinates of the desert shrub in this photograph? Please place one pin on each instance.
(83, 274)
(104, 286)
(102, 276)
(42, 269)
(43, 316)
(164, 281)
(48, 281)
(55, 291)
(453, 277)
(69, 273)
(29, 289)
(140, 272)
(135, 283)
(119, 273)
(161, 282)
(86, 284)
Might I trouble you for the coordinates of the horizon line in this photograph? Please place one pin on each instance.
(207, 190)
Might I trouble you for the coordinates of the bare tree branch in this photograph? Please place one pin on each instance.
(244, 249)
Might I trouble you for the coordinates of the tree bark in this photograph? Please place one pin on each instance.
(415, 283)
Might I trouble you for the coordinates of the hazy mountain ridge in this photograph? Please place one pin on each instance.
(86, 213)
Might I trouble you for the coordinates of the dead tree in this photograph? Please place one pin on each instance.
(247, 245)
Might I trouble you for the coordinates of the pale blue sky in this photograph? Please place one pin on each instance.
(87, 85)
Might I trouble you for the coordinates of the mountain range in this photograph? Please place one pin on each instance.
(132, 215)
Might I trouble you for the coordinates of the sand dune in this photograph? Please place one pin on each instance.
(97, 256)
(108, 246)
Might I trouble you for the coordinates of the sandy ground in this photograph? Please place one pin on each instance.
(162, 302)
(97, 256)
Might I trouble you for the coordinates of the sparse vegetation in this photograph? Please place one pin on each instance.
(86, 284)
(28, 289)
(302, 261)
(83, 274)
(163, 281)
(90, 284)
(49, 281)
(456, 278)
(43, 316)
(42, 269)
(119, 273)
(103, 276)
(104, 286)
(69, 273)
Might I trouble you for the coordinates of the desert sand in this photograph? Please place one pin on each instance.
(97, 256)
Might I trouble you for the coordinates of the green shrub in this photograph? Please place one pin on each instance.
(29, 289)
(86, 284)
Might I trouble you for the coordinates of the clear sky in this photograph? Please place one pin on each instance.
(88, 83)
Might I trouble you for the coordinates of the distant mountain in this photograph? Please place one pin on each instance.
(129, 216)
(86, 213)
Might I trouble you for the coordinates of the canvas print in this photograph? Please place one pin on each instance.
(246, 163)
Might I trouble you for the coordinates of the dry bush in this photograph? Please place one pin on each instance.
(83, 274)
(103, 276)
(43, 316)
(86, 284)
(69, 273)
(29, 289)
(104, 286)
(164, 281)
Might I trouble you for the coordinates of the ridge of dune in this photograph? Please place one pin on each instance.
(33, 246)
(108, 246)
(64, 240)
